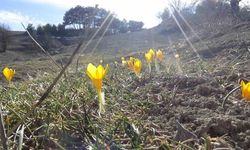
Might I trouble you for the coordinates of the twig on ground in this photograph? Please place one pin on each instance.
(174, 92)
(231, 92)
(3, 137)
(49, 89)
(20, 142)
(56, 143)
(183, 134)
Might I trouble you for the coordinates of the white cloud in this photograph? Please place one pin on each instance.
(59, 3)
(9, 17)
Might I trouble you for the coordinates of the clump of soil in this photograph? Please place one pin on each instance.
(196, 102)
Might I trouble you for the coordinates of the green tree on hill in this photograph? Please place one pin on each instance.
(60, 29)
(30, 28)
(39, 30)
(135, 25)
(79, 18)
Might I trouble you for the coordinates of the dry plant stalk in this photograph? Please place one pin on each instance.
(49, 89)
(33, 39)
(3, 137)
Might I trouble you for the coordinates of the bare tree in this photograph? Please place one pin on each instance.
(4, 37)
(235, 7)
(173, 14)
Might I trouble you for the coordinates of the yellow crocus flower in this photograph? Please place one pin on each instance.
(137, 66)
(149, 57)
(8, 73)
(152, 52)
(96, 75)
(131, 63)
(245, 90)
(159, 55)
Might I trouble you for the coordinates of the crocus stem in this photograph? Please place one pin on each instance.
(10, 84)
(179, 66)
(149, 67)
(101, 101)
(138, 75)
(157, 69)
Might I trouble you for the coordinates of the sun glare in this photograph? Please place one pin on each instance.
(141, 10)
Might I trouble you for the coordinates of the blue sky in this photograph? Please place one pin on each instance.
(13, 12)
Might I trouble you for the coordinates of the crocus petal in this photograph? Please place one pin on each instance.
(131, 63)
(12, 72)
(149, 57)
(106, 70)
(137, 66)
(98, 84)
(100, 72)
(132, 59)
(243, 87)
(159, 55)
(91, 71)
(152, 52)
(247, 91)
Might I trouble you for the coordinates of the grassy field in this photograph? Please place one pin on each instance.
(179, 107)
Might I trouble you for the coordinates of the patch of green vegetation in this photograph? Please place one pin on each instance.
(136, 108)
(68, 117)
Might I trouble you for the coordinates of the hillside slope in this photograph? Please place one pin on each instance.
(182, 101)
(223, 46)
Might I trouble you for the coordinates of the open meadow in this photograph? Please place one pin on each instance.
(167, 87)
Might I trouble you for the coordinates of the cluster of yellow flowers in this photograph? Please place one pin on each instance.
(97, 74)
(159, 55)
(150, 56)
(135, 65)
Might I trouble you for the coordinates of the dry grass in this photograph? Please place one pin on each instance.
(141, 113)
